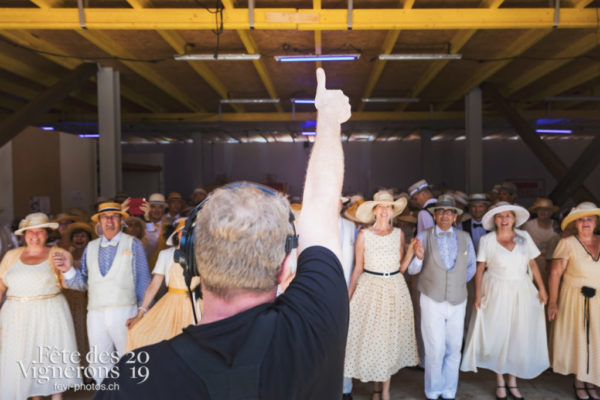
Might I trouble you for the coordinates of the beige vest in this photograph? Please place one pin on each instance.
(116, 288)
(435, 281)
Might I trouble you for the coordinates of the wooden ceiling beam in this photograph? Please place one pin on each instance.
(388, 45)
(541, 150)
(252, 48)
(297, 19)
(289, 117)
(575, 49)
(179, 44)
(517, 47)
(456, 44)
(565, 84)
(108, 45)
(11, 126)
(25, 38)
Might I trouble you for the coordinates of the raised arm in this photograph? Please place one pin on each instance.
(325, 173)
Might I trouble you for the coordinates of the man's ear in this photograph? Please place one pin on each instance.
(288, 266)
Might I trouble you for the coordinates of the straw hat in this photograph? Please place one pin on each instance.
(178, 228)
(488, 218)
(33, 221)
(365, 213)
(585, 209)
(478, 197)
(445, 201)
(410, 217)
(84, 226)
(296, 208)
(418, 186)
(66, 217)
(509, 187)
(109, 207)
(174, 196)
(157, 198)
(542, 202)
(350, 212)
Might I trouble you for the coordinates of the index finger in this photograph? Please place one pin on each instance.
(320, 80)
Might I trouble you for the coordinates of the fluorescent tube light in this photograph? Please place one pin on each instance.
(89, 135)
(219, 57)
(559, 131)
(47, 128)
(390, 100)
(248, 101)
(573, 98)
(318, 57)
(303, 101)
(441, 56)
(308, 133)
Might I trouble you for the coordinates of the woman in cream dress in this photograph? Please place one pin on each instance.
(507, 333)
(381, 334)
(37, 329)
(173, 311)
(576, 313)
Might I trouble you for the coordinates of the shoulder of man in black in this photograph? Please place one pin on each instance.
(305, 356)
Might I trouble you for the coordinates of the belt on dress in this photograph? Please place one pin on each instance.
(178, 291)
(32, 298)
(381, 273)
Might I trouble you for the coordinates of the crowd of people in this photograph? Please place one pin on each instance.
(437, 280)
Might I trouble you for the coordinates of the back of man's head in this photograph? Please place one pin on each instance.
(239, 240)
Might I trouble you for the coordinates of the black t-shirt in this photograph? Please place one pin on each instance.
(305, 359)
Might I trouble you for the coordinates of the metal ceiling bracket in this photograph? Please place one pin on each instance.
(556, 13)
(251, 13)
(81, 14)
(350, 15)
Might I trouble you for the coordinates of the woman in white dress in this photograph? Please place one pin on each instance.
(381, 332)
(507, 333)
(38, 352)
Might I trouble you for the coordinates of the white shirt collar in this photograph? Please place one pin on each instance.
(113, 240)
(438, 230)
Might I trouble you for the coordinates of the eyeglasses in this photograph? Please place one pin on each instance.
(445, 211)
(110, 216)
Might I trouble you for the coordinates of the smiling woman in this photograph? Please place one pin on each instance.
(35, 318)
(507, 333)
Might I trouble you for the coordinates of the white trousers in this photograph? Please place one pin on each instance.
(442, 330)
(107, 334)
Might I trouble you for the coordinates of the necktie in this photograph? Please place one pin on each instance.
(447, 234)
(107, 244)
(477, 225)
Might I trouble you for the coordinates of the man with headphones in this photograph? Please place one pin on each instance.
(249, 343)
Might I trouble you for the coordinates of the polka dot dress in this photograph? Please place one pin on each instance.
(381, 336)
(38, 353)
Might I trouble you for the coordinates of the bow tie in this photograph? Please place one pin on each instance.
(447, 234)
(107, 244)
(477, 225)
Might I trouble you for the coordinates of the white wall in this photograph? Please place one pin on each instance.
(6, 184)
(77, 172)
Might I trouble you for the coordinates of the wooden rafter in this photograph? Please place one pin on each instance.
(26, 38)
(561, 86)
(174, 39)
(252, 48)
(297, 19)
(456, 44)
(14, 124)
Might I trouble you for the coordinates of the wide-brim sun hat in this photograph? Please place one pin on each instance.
(157, 198)
(365, 212)
(478, 197)
(34, 221)
(585, 209)
(178, 228)
(109, 207)
(542, 202)
(83, 226)
(66, 217)
(350, 212)
(445, 201)
(522, 215)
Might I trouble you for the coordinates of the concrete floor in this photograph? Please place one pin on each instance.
(408, 385)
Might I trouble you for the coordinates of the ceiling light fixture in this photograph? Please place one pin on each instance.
(318, 57)
(303, 101)
(308, 133)
(391, 100)
(47, 128)
(89, 135)
(248, 101)
(573, 98)
(402, 57)
(559, 131)
(216, 57)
